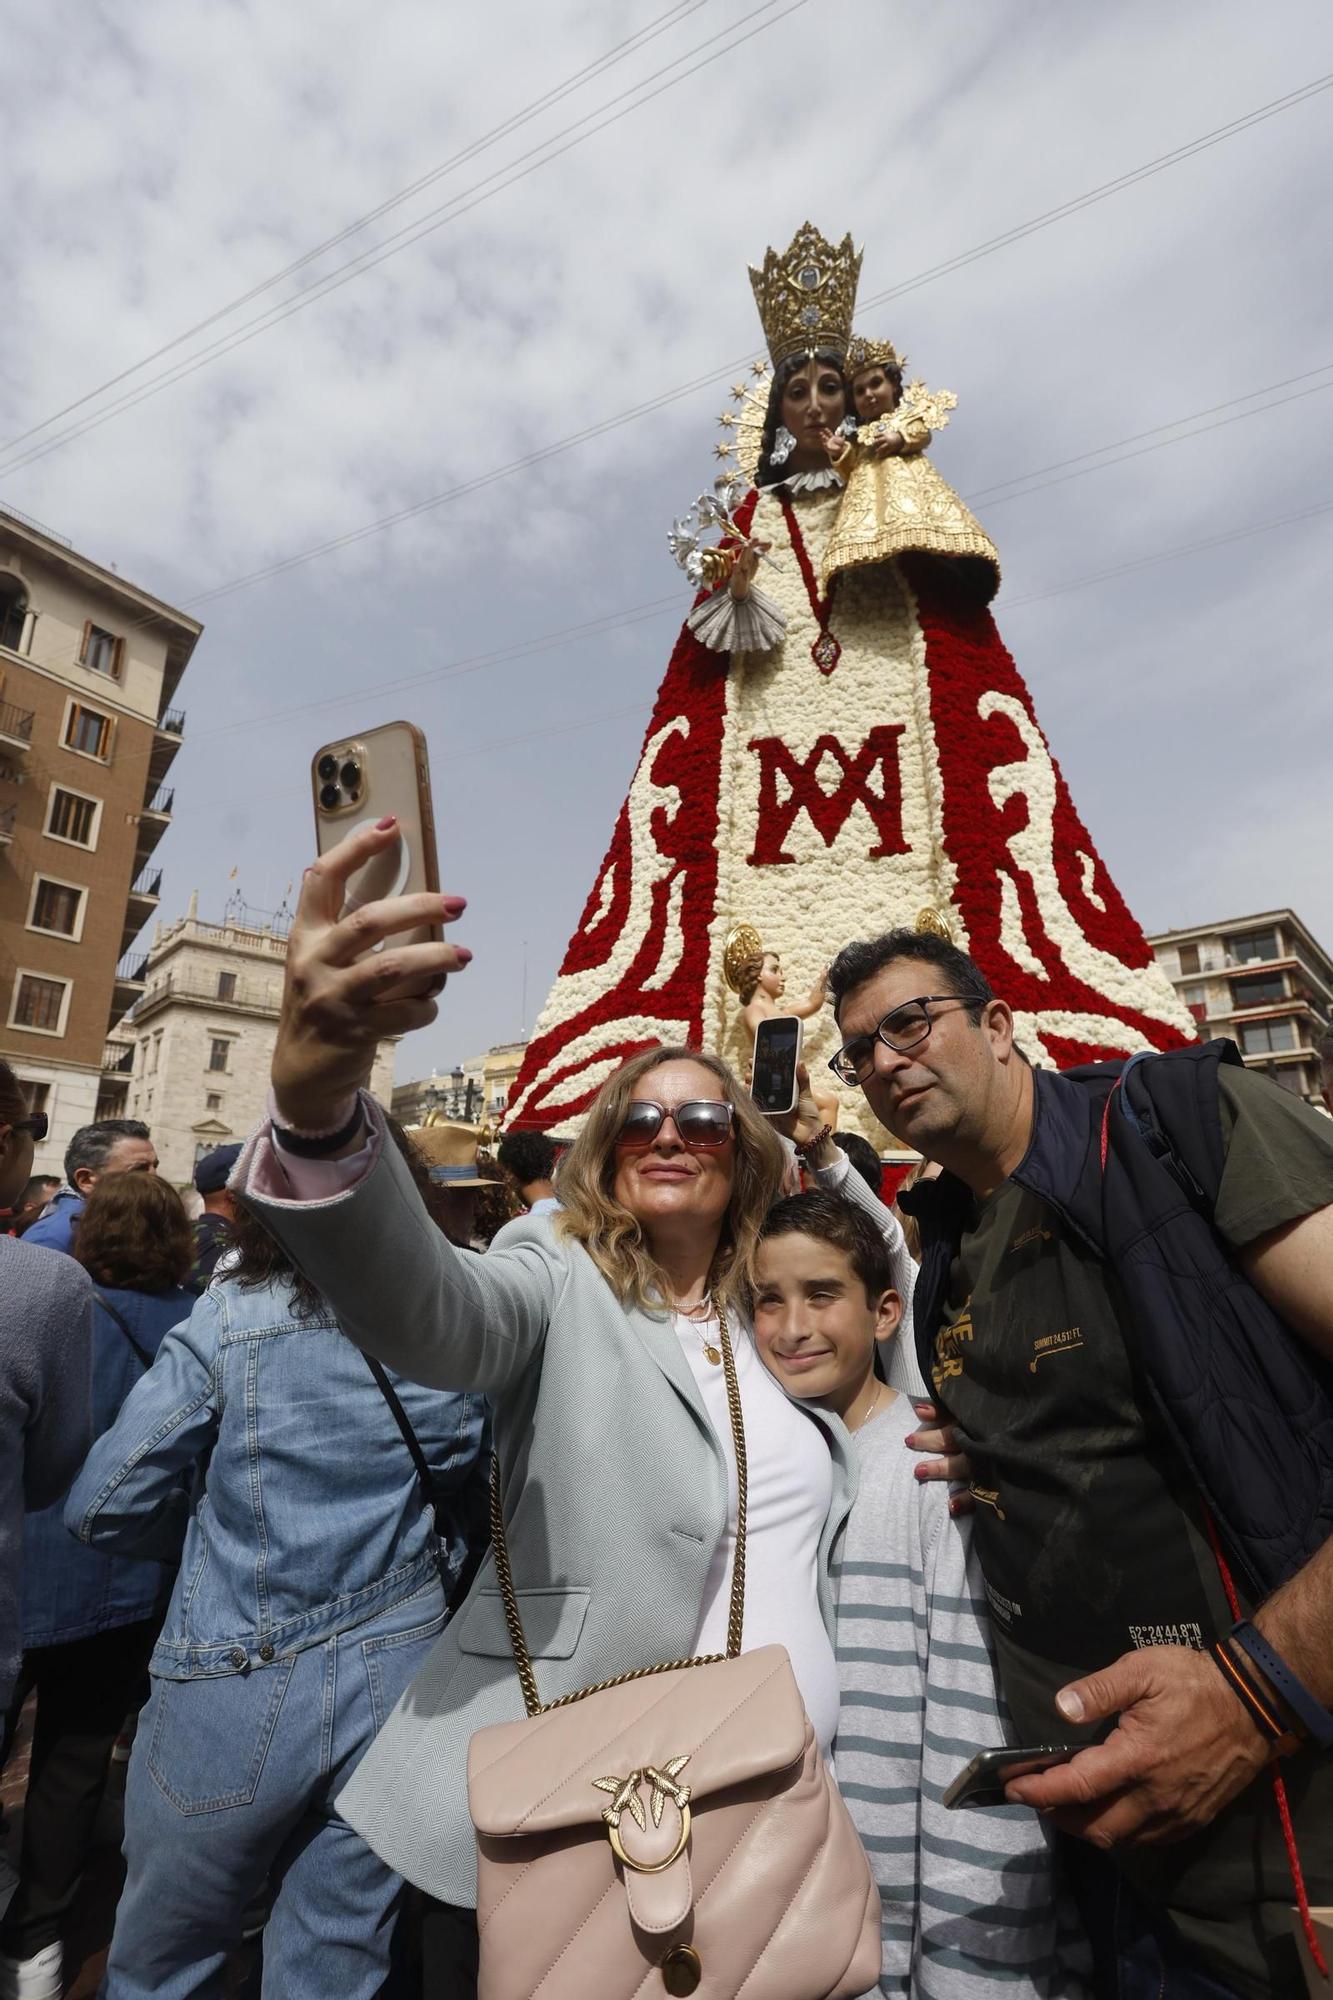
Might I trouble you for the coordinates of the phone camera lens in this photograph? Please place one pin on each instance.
(329, 797)
(351, 774)
(327, 768)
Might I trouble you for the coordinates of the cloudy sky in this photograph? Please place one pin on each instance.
(585, 184)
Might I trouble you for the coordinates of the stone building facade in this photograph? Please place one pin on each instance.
(89, 668)
(199, 1044)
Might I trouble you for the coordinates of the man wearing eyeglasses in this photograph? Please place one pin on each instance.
(1126, 1302)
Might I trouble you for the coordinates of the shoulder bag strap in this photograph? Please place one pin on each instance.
(532, 1701)
(141, 1353)
(400, 1417)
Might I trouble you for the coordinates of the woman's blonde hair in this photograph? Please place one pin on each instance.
(592, 1216)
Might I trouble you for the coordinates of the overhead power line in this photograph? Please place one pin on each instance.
(640, 613)
(608, 60)
(462, 204)
(550, 149)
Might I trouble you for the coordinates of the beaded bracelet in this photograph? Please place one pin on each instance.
(1311, 1717)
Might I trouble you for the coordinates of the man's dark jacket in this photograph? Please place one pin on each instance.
(1247, 1402)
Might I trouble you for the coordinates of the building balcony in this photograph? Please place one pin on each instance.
(154, 819)
(117, 1059)
(7, 817)
(127, 987)
(256, 997)
(167, 734)
(15, 726)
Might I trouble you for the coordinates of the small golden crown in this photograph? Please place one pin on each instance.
(865, 353)
(807, 296)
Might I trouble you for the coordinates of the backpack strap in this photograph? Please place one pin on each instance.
(111, 1311)
(476, 1548)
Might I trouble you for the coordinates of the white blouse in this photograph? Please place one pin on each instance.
(790, 1493)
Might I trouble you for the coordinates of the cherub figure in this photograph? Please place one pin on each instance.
(895, 502)
(761, 988)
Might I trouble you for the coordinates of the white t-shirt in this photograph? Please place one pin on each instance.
(790, 1493)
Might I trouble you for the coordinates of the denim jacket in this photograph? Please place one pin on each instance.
(68, 1592)
(311, 1519)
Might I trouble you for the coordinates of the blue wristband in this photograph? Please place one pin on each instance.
(1312, 1716)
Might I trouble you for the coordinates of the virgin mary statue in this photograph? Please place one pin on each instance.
(841, 743)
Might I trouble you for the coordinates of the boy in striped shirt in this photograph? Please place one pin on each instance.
(969, 1904)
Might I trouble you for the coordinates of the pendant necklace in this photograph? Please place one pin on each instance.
(826, 651)
(704, 1310)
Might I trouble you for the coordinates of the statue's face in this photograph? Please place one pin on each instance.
(813, 402)
(874, 393)
(771, 980)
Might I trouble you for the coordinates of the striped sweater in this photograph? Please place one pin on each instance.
(968, 1896)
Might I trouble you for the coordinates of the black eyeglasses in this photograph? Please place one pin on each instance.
(909, 1024)
(37, 1123)
(701, 1126)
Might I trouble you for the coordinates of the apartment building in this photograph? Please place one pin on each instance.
(1262, 980)
(193, 1058)
(89, 669)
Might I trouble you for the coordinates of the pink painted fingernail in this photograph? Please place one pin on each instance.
(910, 1439)
(463, 954)
(919, 1472)
(383, 825)
(453, 906)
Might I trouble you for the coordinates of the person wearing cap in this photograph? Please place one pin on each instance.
(213, 1230)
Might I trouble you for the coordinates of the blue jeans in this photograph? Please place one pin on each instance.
(1136, 1950)
(231, 1787)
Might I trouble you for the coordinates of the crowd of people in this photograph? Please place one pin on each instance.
(1059, 1471)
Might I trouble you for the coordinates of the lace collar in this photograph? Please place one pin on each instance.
(820, 481)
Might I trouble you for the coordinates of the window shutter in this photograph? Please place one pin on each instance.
(109, 740)
(87, 641)
(117, 658)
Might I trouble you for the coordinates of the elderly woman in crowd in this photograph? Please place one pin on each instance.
(595, 1331)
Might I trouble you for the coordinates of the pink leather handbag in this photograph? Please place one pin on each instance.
(673, 1830)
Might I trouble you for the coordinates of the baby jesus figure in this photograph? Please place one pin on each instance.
(895, 502)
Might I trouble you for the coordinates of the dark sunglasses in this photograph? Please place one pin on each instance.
(700, 1126)
(907, 1026)
(37, 1124)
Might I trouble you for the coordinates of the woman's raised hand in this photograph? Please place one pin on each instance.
(341, 997)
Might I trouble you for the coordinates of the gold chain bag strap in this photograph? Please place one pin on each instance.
(673, 1829)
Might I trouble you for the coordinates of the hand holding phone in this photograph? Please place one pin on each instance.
(358, 781)
(982, 1782)
(777, 1053)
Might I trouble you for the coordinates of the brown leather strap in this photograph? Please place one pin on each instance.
(736, 1615)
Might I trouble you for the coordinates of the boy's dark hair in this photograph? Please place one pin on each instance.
(856, 963)
(528, 1156)
(830, 1220)
(864, 1158)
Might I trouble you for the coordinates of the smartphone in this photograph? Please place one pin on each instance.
(777, 1050)
(357, 781)
(982, 1782)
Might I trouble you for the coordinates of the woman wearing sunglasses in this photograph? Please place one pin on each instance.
(45, 1370)
(596, 1332)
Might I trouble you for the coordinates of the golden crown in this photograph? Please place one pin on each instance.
(866, 353)
(806, 296)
